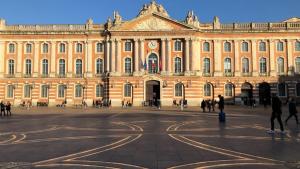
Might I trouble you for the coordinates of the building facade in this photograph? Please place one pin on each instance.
(151, 57)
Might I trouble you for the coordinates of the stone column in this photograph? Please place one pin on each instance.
(119, 56)
(272, 62)
(163, 56)
(19, 59)
(196, 57)
(89, 61)
(36, 61)
(136, 56)
(142, 52)
(169, 55)
(290, 66)
(70, 59)
(107, 56)
(236, 61)
(113, 56)
(2, 61)
(187, 55)
(217, 58)
(254, 61)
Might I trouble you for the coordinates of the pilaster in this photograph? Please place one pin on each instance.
(254, 58)
(107, 55)
(119, 57)
(36, 61)
(19, 59)
(169, 56)
(217, 58)
(2, 61)
(187, 55)
(70, 59)
(113, 55)
(237, 62)
(136, 56)
(163, 56)
(142, 52)
(272, 62)
(89, 61)
(290, 62)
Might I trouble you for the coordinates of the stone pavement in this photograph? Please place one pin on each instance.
(145, 138)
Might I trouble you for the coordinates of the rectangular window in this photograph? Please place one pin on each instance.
(280, 46)
(28, 48)
(11, 48)
(27, 91)
(61, 91)
(99, 47)
(10, 91)
(127, 46)
(44, 91)
(178, 45)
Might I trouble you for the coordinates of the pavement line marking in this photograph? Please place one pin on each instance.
(112, 163)
(237, 164)
(234, 137)
(11, 139)
(23, 137)
(74, 165)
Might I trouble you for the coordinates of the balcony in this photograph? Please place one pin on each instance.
(78, 75)
(10, 75)
(263, 74)
(246, 74)
(128, 74)
(27, 75)
(178, 73)
(228, 74)
(100, 75)
(44, 76)
(61, 75)
(207, 74)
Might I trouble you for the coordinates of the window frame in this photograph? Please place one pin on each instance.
(78, 91)
(45, 48)
(78, 66)
(45, 67)
(261, 67)
(128, 46)
(178, 45)
(226, 64)
(245, 46)
(99, 66)
(96, 47)
(228, 93)
(247, 66)
(11, 67)
(127, 93)
(206, 47)
(127, 69)
(28, 67)
(99, 91)
(176, 64)
(279, 46)
(62, 48)
(262, 48)
(178, 90)
(27, 91)
(61, 70)
(204, 65)
(79, 48)
(207, 93)
(44, 91)
(227, 47)
(13, 51)
(10, 91)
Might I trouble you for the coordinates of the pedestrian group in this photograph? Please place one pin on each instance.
(5, 109)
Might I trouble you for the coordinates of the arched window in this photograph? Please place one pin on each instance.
(44, 91)
(78, 48)
(178, 90)
(178, 45)
(245, 63)
(99, 90)
(99, 66)
(279, 46)
(62, 67)
(206, 47)
(280, 65)
(245, 46)
(62, 48)
(297, 65)
(298, 89)
(281, 89)
(11, 48)
(262, 46)
(227, 65)
(297, 46)
(127, 90)
(28, 48)
(207, 89)
(206, 65)
(78, 67)
(227, 46)
(128, 65)
(78, 90)
(99, 47)
(128, 46)
(10, 91)
(28, 67)
(11, 67)
(152, 63)
(177, 65)
(45, 67)
(61, 91)
(229, 89)
(45, 48)
(27, 91)
(263, 65)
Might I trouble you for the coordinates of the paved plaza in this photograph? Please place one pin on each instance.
(137, 138)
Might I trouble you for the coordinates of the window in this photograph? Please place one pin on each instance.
(78, 90)
(45, 48)
(178, 45)
(11, 67)
(245, 46)
(62, 66)
(45, 67)
(279, 46)
(28, 67)
(99, 66)
(262, 46)
(206, 65)
(27, 91)
(10, 91)
(227, 65)
(281, 89)
(178, 89)
(78, 48)
(263, 65)
(245, 64)
(229, 90)
(11, 48)
(280, 65)
(297, 64)
(127, 46)
(44, 91)
(298, 89)
(227, 46)
(127, 90)
(61, 91)
(177, 65)
(78, 67)
(207, 89)
(297, 46)
(206, 47)
(62, 48)
(28, 48)
(99, 47)
(99, 90)
(128, 65)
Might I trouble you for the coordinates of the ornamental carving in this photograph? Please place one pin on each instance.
(153, 24)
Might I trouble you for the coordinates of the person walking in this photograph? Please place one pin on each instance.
(8, 108)
(2, 109)
(221, 103)
(203, 104)
(208, 105)
(276, 114)
(292, 110)
(213, 103)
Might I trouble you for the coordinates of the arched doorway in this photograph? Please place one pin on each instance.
(152, 92)
(153, 63)
(264, 93)
(247, 93)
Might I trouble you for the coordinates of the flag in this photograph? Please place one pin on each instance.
(145, 65)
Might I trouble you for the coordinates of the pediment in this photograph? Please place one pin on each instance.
(294, 19)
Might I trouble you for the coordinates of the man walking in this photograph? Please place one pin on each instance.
(203, 104)
(2, 109)
(8, 108)
(292, 111)
(276, 114)
(221, 103)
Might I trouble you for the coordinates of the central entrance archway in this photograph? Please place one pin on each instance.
(152, 92)
(247, 93)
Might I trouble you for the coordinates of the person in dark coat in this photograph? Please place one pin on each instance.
(276, 114)
(8, 108)
(203, 104)
(2, 109)
(208, 105)
(221, 103)
(292, 110)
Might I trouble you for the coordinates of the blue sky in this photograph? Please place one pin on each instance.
(77, 11)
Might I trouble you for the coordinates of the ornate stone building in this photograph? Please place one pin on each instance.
(147, 58)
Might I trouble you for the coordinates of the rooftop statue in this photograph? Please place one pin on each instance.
(117, 18)
(192, 19)
(153, 7)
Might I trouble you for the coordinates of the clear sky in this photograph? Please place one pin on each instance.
(78, 11)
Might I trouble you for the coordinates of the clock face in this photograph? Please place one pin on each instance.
(152, 44)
